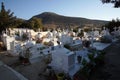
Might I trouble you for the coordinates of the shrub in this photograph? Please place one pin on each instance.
(91, 57)
(84, 62)
(24, 37)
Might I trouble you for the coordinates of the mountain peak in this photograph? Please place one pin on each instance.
(52, 13)
(47, 14)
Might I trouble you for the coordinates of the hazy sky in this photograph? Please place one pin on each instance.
(92, 9)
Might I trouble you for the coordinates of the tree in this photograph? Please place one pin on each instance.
(115, 2)
(24, 24)
(6, 18)
(112, 24)
(36, 23)
(18, 23)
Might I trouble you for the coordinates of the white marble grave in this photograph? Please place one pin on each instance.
(105, 32)
(7, 41)
(96, 33)
(62, 60)
(100, 46)
(65, 39)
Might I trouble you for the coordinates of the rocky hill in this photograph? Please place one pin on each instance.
(53, 19)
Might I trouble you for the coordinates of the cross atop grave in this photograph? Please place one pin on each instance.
(58, 29)
(67, 31)
(72, 29)
(79, 30)
(54, 33)
(39, 30)
(92, 36)
(103, 28)
(63, 32)
(30, 36)
(49, 35)
(105, 32)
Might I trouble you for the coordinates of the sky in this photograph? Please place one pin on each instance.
(91, 9)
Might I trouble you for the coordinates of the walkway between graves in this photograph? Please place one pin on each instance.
(111, 69)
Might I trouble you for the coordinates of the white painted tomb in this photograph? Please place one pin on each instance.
(100, 46)
(7, 41)
(62, 60)
(65, 39)
(105, 32)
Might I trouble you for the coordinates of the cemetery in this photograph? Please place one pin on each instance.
(62, 52)
(72, 45)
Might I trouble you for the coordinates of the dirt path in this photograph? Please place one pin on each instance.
(31, 72)
(111, 69)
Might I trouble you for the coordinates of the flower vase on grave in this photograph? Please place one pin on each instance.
(60, 76)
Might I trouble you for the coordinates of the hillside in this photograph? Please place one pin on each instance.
(49, 18)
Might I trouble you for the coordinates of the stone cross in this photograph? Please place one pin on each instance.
(30, 36)
(92, 37)
(39, 29)
(79, 30)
